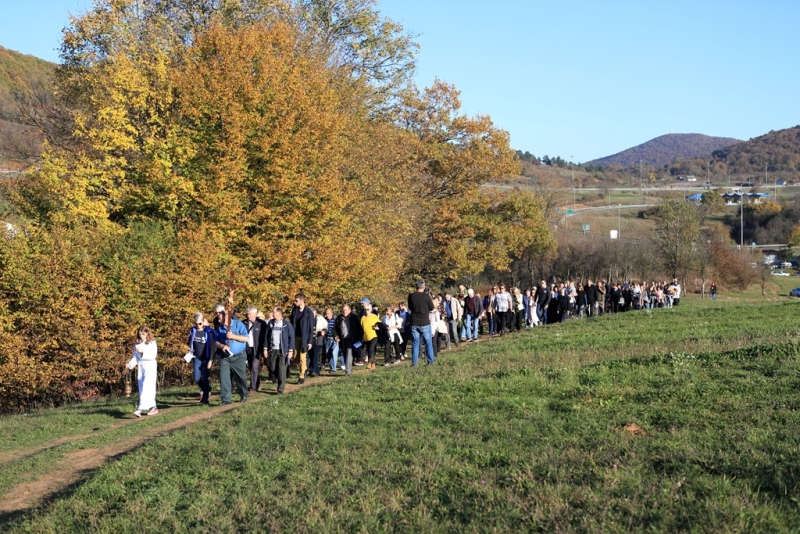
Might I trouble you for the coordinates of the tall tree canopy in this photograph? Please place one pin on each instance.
(283, 138)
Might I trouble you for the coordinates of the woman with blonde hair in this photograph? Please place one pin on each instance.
(145, 352)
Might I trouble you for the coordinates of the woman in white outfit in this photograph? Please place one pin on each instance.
(144, 357)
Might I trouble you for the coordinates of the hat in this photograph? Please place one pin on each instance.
(365, 301)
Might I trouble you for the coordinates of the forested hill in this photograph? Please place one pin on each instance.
(20, 71)
(26, 73)
(667, 149)
(780, 150)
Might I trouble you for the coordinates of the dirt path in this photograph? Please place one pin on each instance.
(81, 463)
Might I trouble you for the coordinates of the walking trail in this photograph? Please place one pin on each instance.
(78, 465)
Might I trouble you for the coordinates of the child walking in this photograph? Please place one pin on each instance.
(144, 357)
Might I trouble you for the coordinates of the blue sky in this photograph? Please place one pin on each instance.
(581, 79)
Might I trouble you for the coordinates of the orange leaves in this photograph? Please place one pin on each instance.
(489, 229)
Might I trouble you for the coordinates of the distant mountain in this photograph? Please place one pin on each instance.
(667, 149)
(19, 72)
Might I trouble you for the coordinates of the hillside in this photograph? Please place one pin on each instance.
(666, 149)
(25, 73)
(778, 149)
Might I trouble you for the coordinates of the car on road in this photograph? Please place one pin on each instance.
(795, 292)
(780, 273)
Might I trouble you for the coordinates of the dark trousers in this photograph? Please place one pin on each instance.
(387, 350)
(369, 347)
(313, 367)
(500, 322)
(201, 377)
(254, 364)
(276, 361)
(520, 318)
(233, 366)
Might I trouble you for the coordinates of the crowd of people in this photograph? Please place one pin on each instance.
(315, 341)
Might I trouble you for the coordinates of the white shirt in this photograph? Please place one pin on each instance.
(390, 321)
(146, 351)
(502, 301)
(277, 330)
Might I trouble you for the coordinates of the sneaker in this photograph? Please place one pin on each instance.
(359, 364)
(301, 381)
(387, 364)
(402, 357)
(244, 399)
(396, 362)
(224, 403)
(137, 413)
(154, 411)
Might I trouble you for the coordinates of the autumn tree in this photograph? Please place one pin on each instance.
(678, 229)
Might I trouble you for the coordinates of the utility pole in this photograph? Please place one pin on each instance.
(572, 168)
(741, 220)
(619, 220)
(640, 173)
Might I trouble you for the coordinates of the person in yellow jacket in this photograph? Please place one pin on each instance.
(369, 324)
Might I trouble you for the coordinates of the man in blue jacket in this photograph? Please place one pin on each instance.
(231, 344)
(279, 341)
(303, 321)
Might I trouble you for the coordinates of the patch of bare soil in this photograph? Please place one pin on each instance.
(79, 464)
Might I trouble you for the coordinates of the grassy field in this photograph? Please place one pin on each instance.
(671, 420)
(626, 221)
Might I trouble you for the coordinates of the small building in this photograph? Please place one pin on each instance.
(780, 182)
(697, 198)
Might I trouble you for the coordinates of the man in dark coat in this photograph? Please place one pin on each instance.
(591, 297)
(279, 342)
(302, 319)
(543, 296)
(256, 349)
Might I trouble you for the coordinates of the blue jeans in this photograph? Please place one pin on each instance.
(470, 327)
(332, 352)
(541, 312)
(713, 296)
(425, 332)
(201, 376)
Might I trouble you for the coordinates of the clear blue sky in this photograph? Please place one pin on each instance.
(581, 79)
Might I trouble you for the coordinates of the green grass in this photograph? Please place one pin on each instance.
(521, 433)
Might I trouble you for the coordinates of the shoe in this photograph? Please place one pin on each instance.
(402, 357)
(463, 339)
(154, 411)
(137, 413)
(301, 381)
(359, 364)
(224, 403)
(250, 391)
(396, 362)
(388, 364)
(280, 393)
(244, 399)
